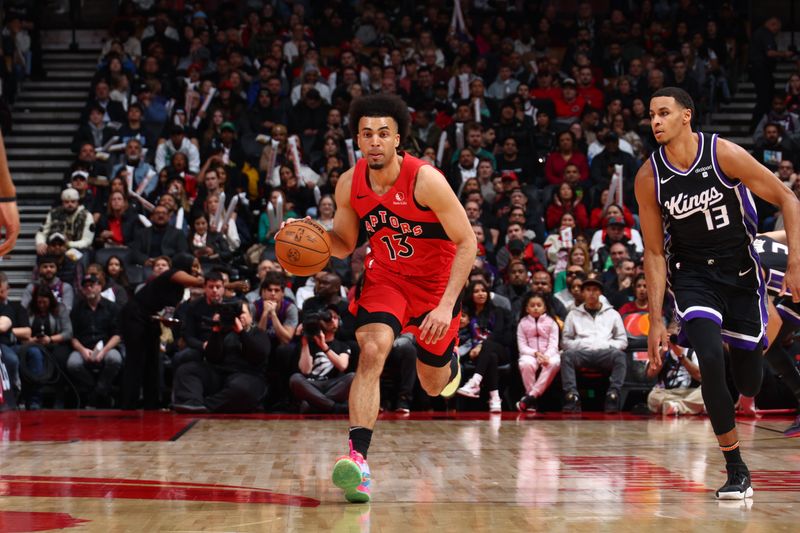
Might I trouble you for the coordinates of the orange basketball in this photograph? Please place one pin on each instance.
(303, 247)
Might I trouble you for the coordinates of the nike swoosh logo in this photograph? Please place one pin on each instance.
(666, 180)
(745, 272)
(359, 197)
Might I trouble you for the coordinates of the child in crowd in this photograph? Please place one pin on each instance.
(537, 339)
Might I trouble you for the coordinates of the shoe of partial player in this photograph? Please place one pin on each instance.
(612, 402)
(351, 474)
(738, 486)
(471, 389)
(572, 403)
(495, 405)
(794, 429)
(670, 408)
(450, 389)
(527, 404)
(403, 406)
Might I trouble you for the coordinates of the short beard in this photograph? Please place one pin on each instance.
(376, 166)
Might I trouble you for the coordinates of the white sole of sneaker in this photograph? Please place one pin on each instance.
(735, 495)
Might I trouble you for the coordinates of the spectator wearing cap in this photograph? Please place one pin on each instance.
(177, 142)
(569, 104)
(565, 153)
(593, 337)
(67, 266)
(153, 107)
(86, 197)
(47, 273)
(134, 163)
(96, 359)
(70, 219)
(615, 230)
(604, 166)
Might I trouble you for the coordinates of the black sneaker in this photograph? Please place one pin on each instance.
(738, 486)
(572, 403)
(527, 403)
(612, 402)
(403, 406)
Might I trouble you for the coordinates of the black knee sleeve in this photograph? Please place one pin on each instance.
(706, 339)
(747, 369)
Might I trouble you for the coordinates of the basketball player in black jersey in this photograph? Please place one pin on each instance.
(784, 315)
(699, 220)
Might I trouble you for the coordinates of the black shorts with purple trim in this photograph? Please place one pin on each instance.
(730, 292)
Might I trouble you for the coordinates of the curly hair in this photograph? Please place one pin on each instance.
(381, 105)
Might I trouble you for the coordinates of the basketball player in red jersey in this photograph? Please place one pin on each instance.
(421, 250)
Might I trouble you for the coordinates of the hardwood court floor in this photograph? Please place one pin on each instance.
(111, 471)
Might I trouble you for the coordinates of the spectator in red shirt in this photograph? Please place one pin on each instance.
(566, 201)
(566, 153)
(587, 89)
(569, 105)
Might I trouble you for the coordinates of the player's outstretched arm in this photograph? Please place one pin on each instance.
(655, 266)
(433, 191)
(737, 163)
(344, 234)
(9, 214)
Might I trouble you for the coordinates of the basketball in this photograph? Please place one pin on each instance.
(303, 247)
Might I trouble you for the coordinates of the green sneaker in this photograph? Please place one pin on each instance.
(351, 474)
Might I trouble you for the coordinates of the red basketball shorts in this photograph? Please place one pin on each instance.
(402, 303)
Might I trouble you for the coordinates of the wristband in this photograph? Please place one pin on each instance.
(7, 199)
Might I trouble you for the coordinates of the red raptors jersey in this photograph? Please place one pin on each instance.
(404, 237)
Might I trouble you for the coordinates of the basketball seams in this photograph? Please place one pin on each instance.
(305, 253)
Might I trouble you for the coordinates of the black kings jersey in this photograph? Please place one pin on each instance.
(706, 214)
(774, 257)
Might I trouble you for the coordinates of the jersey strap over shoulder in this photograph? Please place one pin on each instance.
(404, 237)
(706, 214)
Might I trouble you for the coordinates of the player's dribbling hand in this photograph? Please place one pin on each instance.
(791, 282)
(290, 220)
(657, 345)
(435, 325)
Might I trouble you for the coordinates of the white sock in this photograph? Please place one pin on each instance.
(494, 395)
(477, 378)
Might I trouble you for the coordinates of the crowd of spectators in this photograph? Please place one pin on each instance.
(205, 128)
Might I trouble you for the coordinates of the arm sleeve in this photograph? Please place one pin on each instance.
(41, 235)
(194, 159)
(552, 344)
(67, 295)
(161, 156)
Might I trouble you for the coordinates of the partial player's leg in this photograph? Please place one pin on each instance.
(786, 320)
(706, 338)
(351, 472)
(437, 363)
